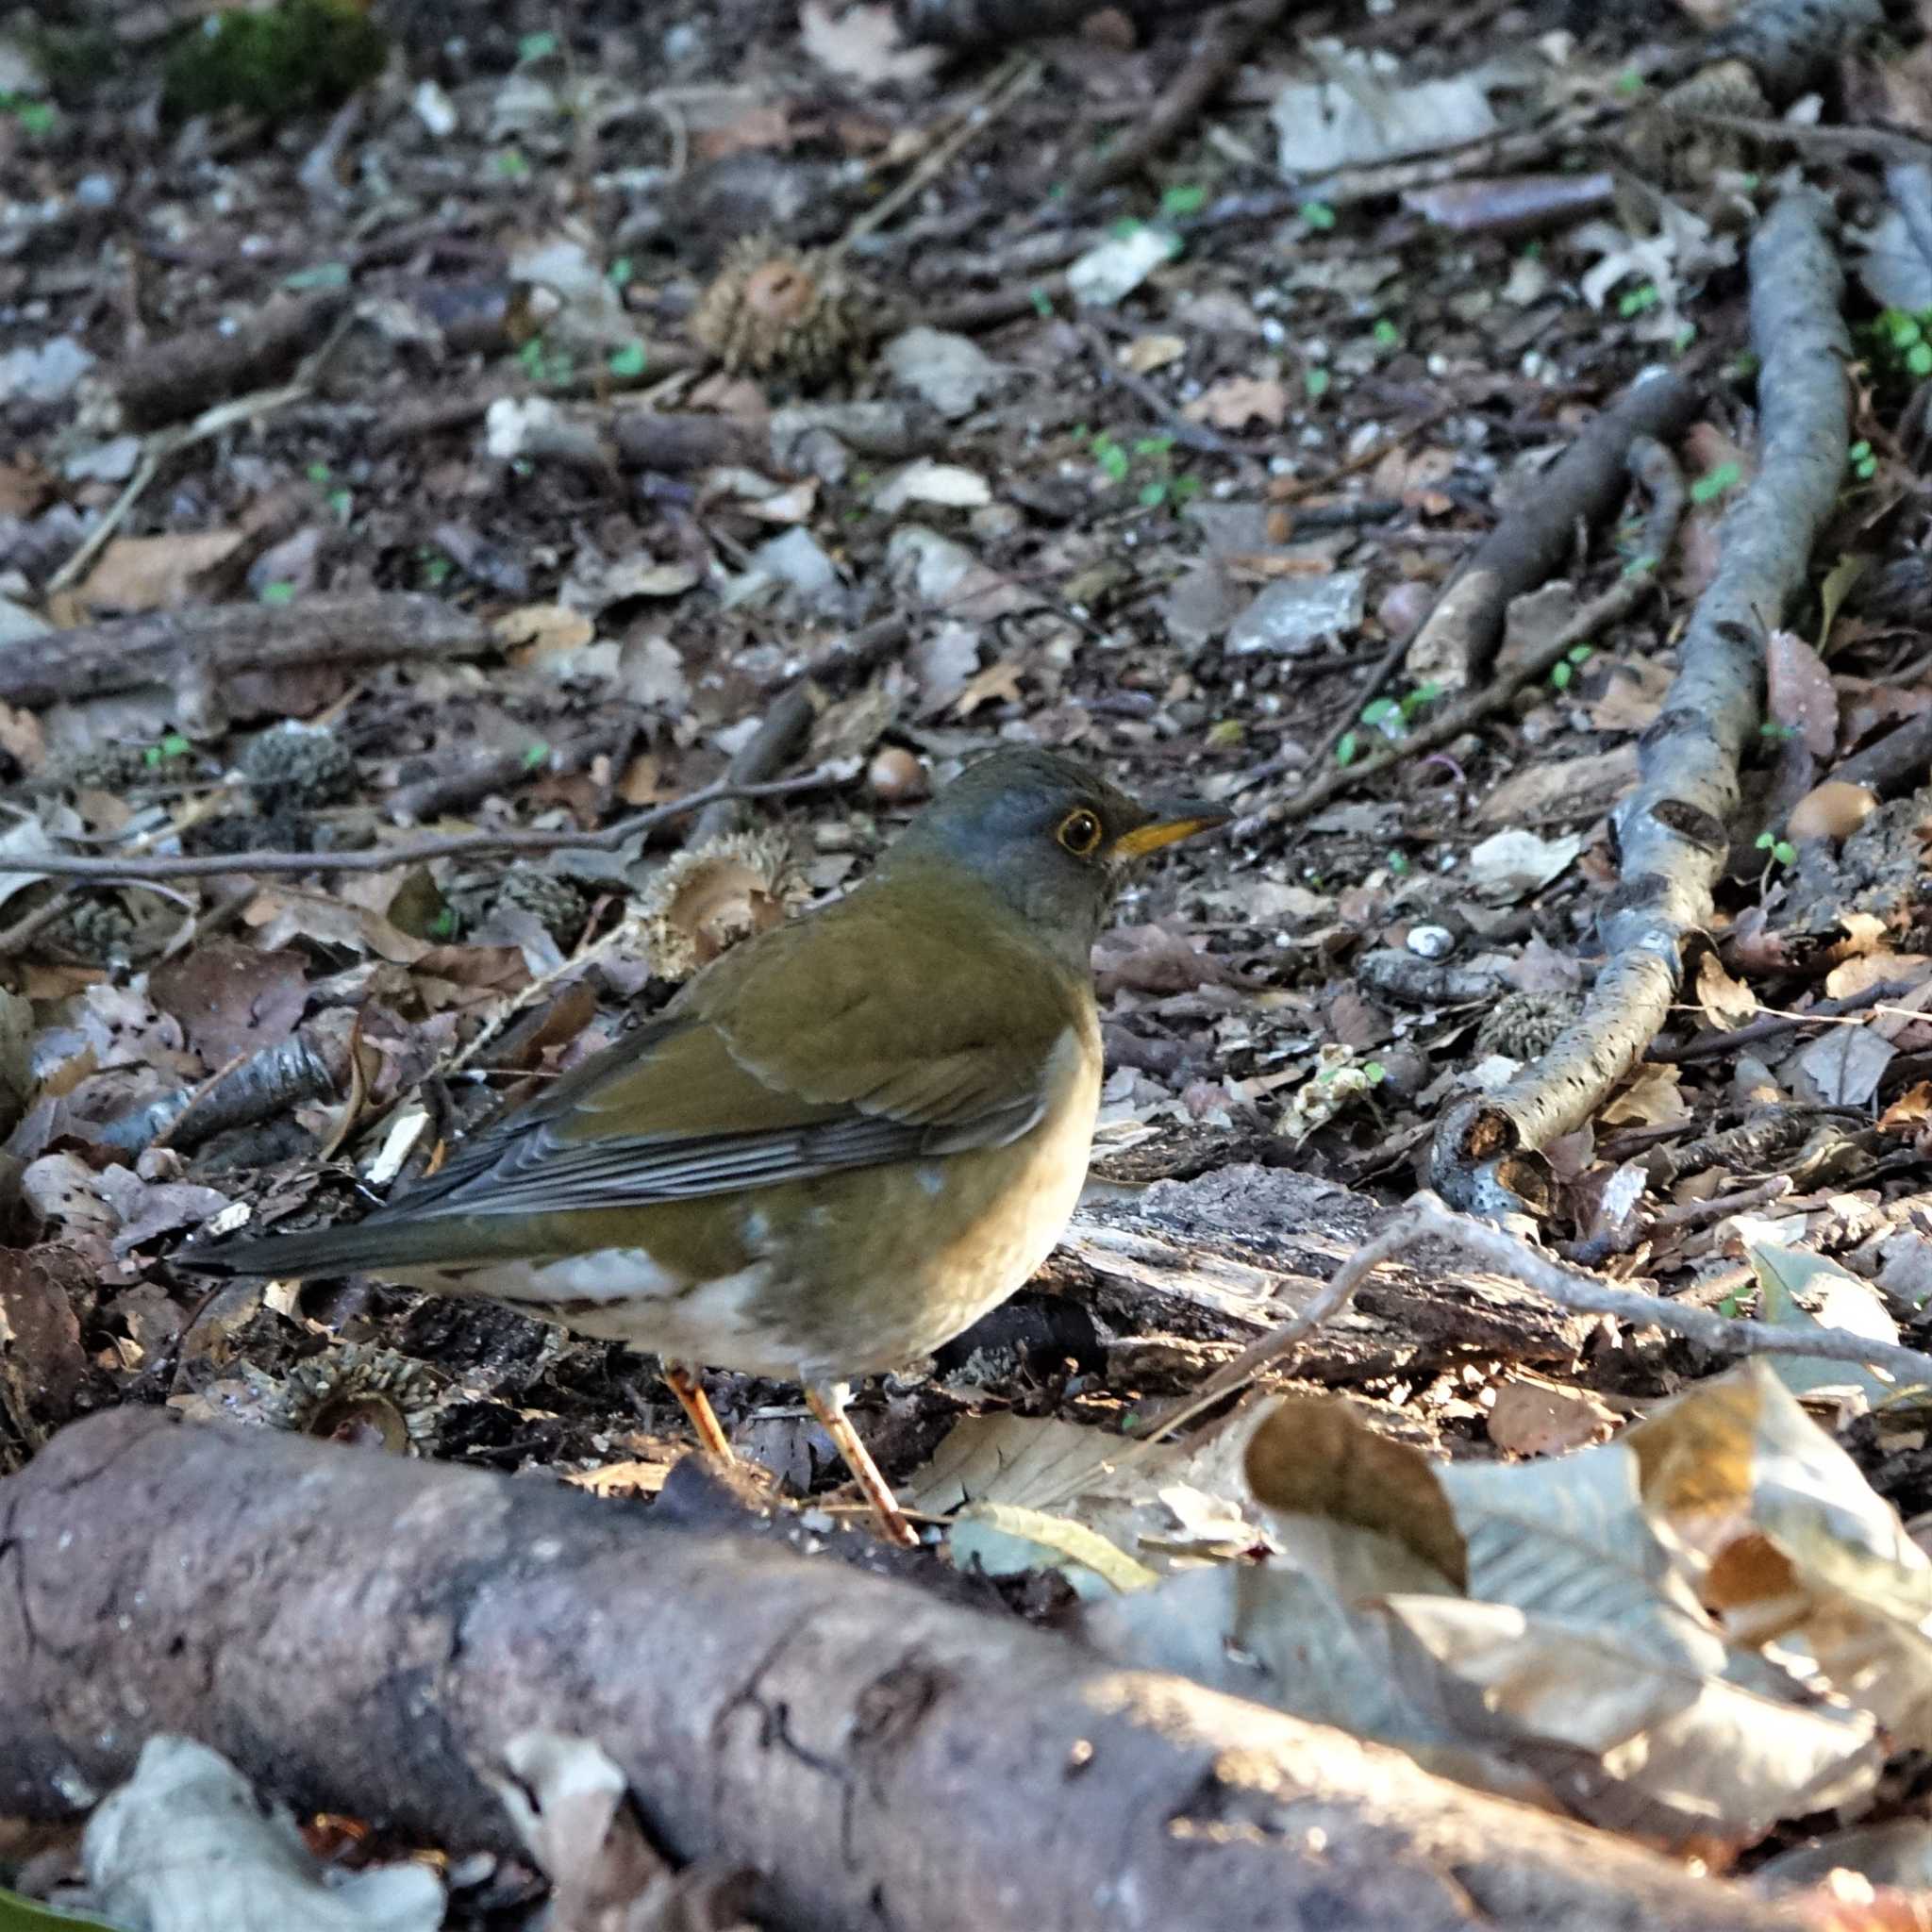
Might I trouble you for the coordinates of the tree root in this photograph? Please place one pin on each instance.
(1671, 829)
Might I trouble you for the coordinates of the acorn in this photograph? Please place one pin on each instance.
(773, 310)
(1523, 1026)
(360, 1393)
(1833, 811)
(896, 777)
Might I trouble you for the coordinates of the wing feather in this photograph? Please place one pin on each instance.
(729, 1091)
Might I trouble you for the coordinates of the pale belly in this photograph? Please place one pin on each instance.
(849, 1275)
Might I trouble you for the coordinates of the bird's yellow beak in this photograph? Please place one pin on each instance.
(1170, 825)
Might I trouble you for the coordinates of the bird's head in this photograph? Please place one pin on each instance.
(1047, 836)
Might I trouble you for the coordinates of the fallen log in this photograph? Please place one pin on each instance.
(363, 1632)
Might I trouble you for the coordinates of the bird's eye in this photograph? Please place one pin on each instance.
(1079, 833)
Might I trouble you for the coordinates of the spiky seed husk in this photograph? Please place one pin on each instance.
(773, 310)
(707, 898)
(1524, 1024)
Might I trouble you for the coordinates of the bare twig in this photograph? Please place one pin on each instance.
(1426, 1215)
(167, 443)
(1224, 43)
(187, 374)
(1012, 80)
(1000, 23)
(1773, 1026)
(62, 865)
(1461, 633)
(777, 740)
(1882, 143)
(1671, 828)
(1189, 435)
(217, 644)
(1894, 762)
(1658, 470)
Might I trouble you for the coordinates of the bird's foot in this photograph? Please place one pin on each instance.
(826, 1401)
(683, 1383)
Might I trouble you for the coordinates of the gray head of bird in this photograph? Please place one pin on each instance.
(1045, 838)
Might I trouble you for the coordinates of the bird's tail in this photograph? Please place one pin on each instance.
(375, 1246)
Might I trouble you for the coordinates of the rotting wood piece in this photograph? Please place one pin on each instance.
(367, 1633)
(169, 381)
(171, 647)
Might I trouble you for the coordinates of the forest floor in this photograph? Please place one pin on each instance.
(432, 398)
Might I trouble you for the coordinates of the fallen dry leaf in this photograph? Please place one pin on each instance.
(1799, 694)
(154, 573)
(863, 44)
(1236, 401)
(1531, 1418)
(1145, 353)
(231, 999)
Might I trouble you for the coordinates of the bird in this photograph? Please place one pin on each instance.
(843, 1142)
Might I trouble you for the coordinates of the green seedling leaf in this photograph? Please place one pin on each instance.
(1345, 748)
(1317, 382)
(1318, 215)
(1709, 488)
(629, 360)
(1183, 198)
(278, 593)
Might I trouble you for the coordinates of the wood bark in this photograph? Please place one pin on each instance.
(164, 647)
(1672, 831)
(1461, 634)
(366, 1633)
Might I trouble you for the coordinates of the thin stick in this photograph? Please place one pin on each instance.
(1426, 1214)
(1224, 43)
(1013, 78)
(60, 865)
(167, 443)
(1662, 477)
(1189, 435)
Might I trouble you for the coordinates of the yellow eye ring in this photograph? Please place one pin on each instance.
(1080, 834)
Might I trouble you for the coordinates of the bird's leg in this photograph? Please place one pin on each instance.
(682, 1380)
(828, 1402)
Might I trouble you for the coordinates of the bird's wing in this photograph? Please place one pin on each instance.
(790, 1059)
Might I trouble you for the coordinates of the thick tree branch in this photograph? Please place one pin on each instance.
(363, 1632)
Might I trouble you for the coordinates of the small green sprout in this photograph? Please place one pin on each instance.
(1717, 483)
(278, 593)
(535, 47)
(1183, 198)
(1316, 381)
(1861, 462)
(628, 361)
(1319, 216)
(1345, 748)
